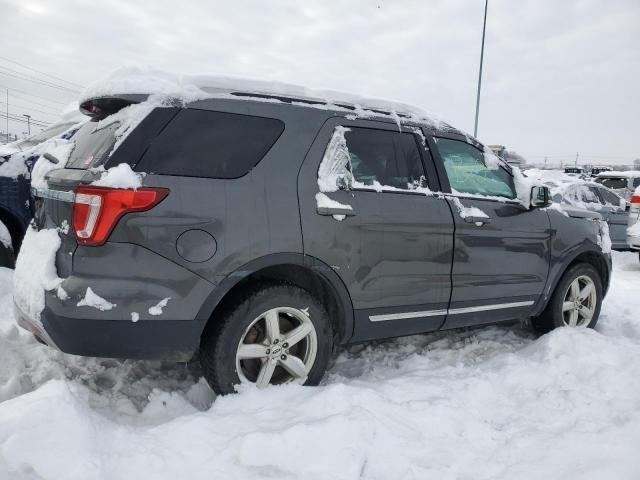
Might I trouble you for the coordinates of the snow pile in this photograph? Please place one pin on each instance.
(483, 403)
(14, 167)
(91, 299)
(5, 236)
(157, 308)
(36, 271)
(468, 211)
(120, 176)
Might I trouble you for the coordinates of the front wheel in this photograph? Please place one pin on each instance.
(272, 335)
(576, 301)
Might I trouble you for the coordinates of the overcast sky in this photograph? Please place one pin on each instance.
(560, 77)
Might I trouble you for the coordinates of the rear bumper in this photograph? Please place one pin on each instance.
(133, 280)
(162, 339)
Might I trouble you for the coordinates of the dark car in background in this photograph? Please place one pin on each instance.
(16, 206)
(270, 228)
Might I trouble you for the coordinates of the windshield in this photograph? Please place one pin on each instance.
(92, 145)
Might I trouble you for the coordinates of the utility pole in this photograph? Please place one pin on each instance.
(28, 123)
(7, 114)
(484, 28)
(577, 155)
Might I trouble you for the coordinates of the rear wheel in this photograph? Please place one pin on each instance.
(576, 301)
(274, 334)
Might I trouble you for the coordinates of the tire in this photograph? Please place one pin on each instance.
(251, 320)
(7, 258)
(559, 313)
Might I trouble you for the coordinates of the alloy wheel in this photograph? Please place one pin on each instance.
(279, 346)
(579, 302)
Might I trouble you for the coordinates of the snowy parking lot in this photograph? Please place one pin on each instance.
(484, 403)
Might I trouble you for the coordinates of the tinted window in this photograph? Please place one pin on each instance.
(615, 183)
(469, 171)
(201, 143)
(92, 145)
(384, 158)
(609, 198)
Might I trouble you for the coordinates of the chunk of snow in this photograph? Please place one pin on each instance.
(5, 236)
(120, 176)
(335, 161)
(135, 316)
(59, 148)
(157, 308)
(468, 211)
(92, 299)
(14, 167)
(604, 240)
(324, 201)
(36, 270)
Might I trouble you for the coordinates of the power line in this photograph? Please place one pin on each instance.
(14, 90)
(22, 97)
(15, 118)
(36, 80)
(17, 105)
(40, 72)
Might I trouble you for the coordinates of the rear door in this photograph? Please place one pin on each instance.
(501, 255)
(615, 214)
(387, 237)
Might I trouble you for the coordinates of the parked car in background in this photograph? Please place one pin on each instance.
(623, 183)
(633, 230)
(574, 170)
(17, 160)
(269, 227)
(598, 198)
(596, 169)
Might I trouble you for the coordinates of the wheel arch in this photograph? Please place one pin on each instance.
(304, 271)
(593, 257)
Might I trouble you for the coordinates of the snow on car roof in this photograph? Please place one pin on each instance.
(620, 174)
(143, 80)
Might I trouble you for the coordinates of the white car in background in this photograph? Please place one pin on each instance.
(623, 183)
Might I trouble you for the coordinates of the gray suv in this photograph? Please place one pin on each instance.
(269, 229)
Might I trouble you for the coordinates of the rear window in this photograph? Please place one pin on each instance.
(202, 143)
(92, 145)
(614, 183)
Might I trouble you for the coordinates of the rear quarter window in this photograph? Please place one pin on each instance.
(202, 143)
(92, 145)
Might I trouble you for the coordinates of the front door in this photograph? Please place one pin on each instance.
(501, 255)
(388, 238)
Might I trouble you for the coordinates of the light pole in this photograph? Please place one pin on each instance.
(484, 27)
(28, 123)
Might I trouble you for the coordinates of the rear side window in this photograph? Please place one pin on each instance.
(384, 158)
(201, 143)
(609, 198)
(92, 145)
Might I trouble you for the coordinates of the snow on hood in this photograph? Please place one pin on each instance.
(8, 149)
(620, 174)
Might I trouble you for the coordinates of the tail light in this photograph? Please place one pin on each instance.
(96, 210)
(635, 203)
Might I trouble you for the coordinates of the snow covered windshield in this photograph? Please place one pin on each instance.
(92, 145)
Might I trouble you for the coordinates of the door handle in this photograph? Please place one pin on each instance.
(329, 211)
(477, 220)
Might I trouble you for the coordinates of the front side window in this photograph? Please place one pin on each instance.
(472, 171)
(383, 158)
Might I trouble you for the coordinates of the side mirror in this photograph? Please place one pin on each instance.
(540, 196)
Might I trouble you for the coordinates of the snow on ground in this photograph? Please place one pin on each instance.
(484, 403)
